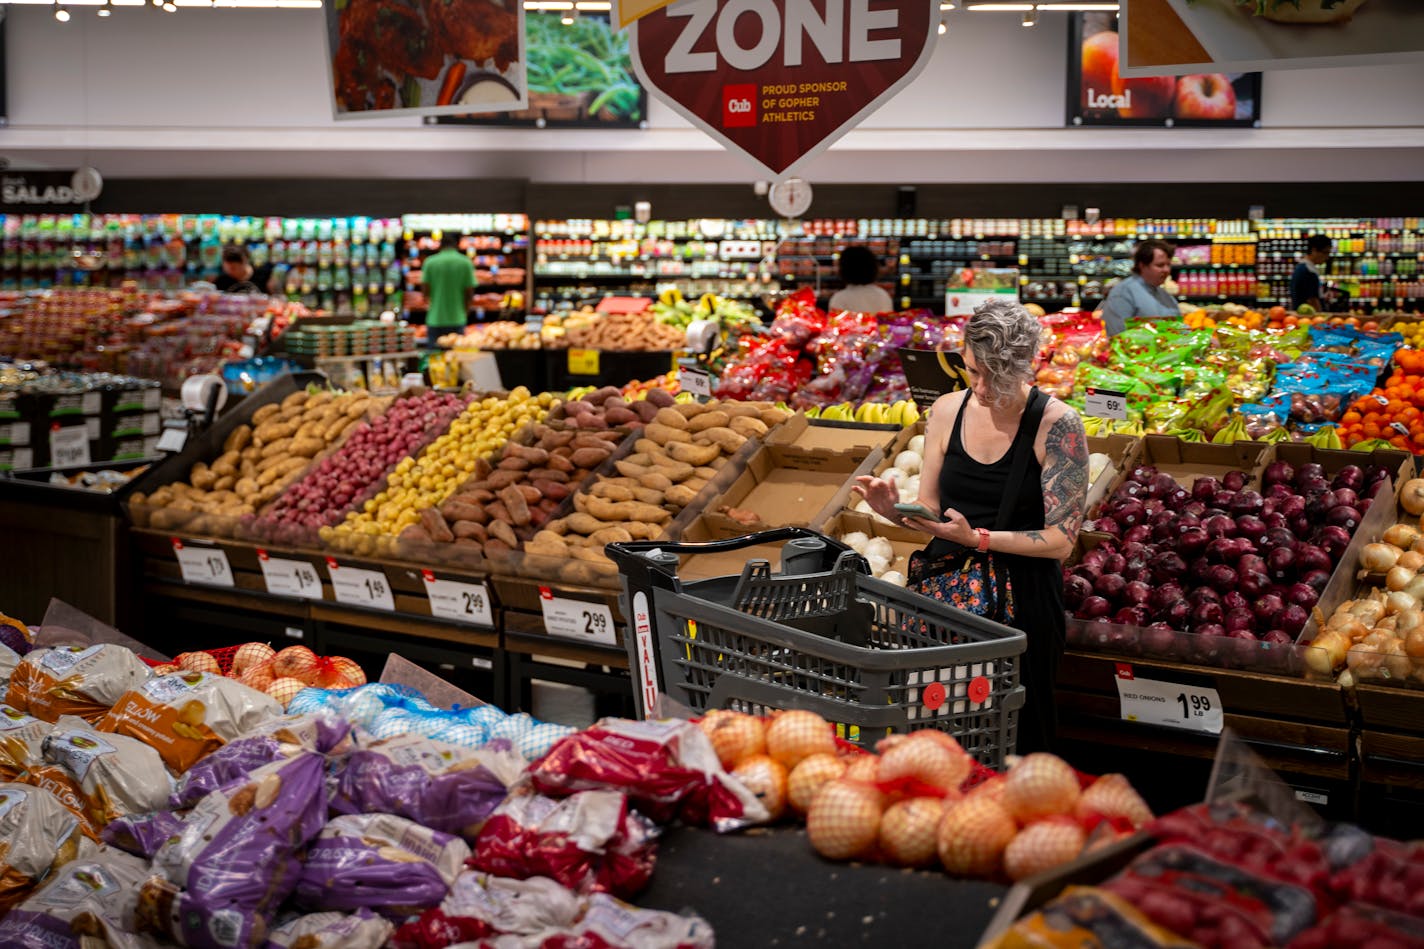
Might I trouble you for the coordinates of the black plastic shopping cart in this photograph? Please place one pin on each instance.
(820, 634)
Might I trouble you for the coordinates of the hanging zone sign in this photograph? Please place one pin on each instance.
(780, 80)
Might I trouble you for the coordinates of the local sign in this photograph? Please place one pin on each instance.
(780, 80)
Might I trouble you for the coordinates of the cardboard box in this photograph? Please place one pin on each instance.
(1188, 461)
(904, 541)
(830, 445)
(1124, 450)
(786, 488)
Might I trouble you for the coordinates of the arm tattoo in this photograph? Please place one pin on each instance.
(1065, 475)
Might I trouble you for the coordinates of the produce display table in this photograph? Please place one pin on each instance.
(767, 887)
(496, 654)
(1301, 729)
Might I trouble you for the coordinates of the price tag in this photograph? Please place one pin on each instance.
(696, 381)
(1172, 704)
(356, 587)
(583, 362)
(462, 602)
(1105, 403)
(173, 439)
(68, 446)
(577, 619)
(289, 577)
(205, 565)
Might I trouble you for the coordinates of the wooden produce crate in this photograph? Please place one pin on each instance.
(1124, 450)
(830, 444)
(1300, 728)
(1187, 461)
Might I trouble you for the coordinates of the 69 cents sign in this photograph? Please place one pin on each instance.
(780, 80)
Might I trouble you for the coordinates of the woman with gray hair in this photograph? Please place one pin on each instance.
(1008, 467)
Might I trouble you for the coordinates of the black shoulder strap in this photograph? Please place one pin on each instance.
(1023, 449)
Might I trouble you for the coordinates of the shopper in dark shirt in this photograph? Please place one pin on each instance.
(1305, 282)
(239, 276)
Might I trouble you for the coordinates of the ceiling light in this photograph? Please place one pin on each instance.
(1104, 7)
(1030, 18)
(62, 15)
(942, 28)
(946, 5)
(169, 7)
(603, 5)
(567, 19)
(104, 11)
(1000, 7)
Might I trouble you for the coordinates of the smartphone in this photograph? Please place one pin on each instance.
(919, 510)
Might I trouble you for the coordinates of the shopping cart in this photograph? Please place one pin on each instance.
(821, 635)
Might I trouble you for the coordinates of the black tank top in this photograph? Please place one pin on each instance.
(976, 490)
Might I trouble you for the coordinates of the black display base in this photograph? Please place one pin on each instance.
(769, 888)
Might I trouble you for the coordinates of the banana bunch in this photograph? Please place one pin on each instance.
(1186, 434)
(1327, 437)
(902, 413)
(1371, 444)
(1104, 426)
(1275, 436)
(1129, 426)
(841, 412)
(671, 308)
(1093, 425)
(1234, 431)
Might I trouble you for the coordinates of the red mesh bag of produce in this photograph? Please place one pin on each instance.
(1356, 926)
(667, 769)
(590, 841)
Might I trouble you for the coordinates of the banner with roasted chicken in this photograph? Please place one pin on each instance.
(1167, 37)
(426, 57)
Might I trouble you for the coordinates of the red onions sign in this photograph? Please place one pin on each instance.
(780, 80)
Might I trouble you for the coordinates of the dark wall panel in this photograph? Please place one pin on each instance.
(390, 197)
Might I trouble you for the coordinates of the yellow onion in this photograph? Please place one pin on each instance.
(197, 662)
(1327, 652)
(1408, 621)
(973, 835)
(844, 820)
(1377, 558)
(1040, 785)
(1042, 846)
(285, 689)
(1397, 578)
(798, 734)
(1411, 496)
(1411, 560)
(1414, 643)
(1396, 660)
(1369, 610)
(1415, 587)
(765, 777)
(909, 831)
(249, 655)
(735, 736)
(1402, 536)
(809, 777)
(1398, 602)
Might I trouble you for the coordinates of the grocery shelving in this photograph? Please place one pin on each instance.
(497, 245)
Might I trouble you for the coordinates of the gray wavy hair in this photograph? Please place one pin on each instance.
(1005, 340)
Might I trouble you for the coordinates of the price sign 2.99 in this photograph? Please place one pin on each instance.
(1105, 403)
(577, 619)
(462, 602)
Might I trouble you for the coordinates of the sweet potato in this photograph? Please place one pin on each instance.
(695, 455)
(612, 492)
(513, 463)
(537, 457)
(680, 495)
(548, 474)
(748, 427)
(673, 469)
(708, 420)
(655, 481)
(502, 532)
(551, 489)
(435, 526)
(611, 535)
(606, 510)
(498, 480)
(672, 418)
(724, 438)
(471, 530)
(662, 434)
(460, 510)
(581, 522)
(589, 457)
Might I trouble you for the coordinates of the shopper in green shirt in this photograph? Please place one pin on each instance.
(449, 280)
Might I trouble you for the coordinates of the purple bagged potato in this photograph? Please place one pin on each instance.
(359, 930)
(142, 834)
(444, 786)
(283, 738)
(218, 882)
(387, 863)
(94, 897)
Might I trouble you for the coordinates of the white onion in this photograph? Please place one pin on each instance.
(917, 445)
(878, 565)
(856, 541)
(895, 577)
(895, 476)
(880, 547)
(908, 461)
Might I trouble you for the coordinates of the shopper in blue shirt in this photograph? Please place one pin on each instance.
(1141, 294)
(1305, 281)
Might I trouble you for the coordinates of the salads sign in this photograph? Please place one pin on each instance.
(47, 190)
(779, 80)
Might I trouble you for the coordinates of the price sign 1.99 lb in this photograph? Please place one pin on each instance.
(205, 565)
(577, 619)
(1172, 704)
(289, 577)
(68, 446)
(1105, 403)
(356, 587)
(462, 602)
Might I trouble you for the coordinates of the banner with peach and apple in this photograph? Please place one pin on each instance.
(1098, 94)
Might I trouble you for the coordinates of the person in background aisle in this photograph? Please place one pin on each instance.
(1305, 281)
(239, 276)
(859, 268)
(1141, 294)
(449, 279)
(1008, 466)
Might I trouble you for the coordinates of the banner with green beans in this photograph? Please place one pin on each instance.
(579, 75)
